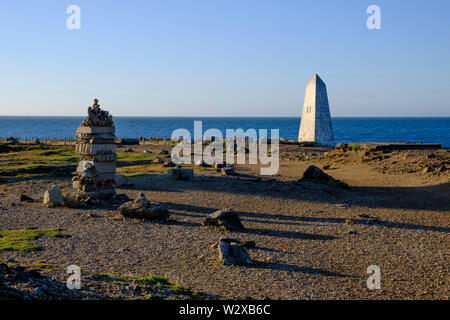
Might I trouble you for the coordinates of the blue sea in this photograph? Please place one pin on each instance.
(427, 130)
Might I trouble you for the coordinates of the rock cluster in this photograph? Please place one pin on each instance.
(96, 147)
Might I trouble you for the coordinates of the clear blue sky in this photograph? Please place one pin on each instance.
(224, 58)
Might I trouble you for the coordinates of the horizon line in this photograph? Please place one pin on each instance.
(197, 116)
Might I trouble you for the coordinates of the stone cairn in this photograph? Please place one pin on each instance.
(96, 147)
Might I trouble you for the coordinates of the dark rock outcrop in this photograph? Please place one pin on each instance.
(314, 174)
(227, 219)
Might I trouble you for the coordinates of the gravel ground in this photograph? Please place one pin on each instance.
(305, 249)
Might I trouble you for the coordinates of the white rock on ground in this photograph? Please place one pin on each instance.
(53, 196)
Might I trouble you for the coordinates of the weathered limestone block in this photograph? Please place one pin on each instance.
(53, 196)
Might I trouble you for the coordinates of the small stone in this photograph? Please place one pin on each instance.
(25, 198)
(233, 254)
(53, 196)
(180, 174)
(426, 170)
(349, 221)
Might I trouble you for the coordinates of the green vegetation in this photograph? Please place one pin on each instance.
(356, 147)
(152, 280)
(34, 161)
(132, 156)
(19, 240)
(40, 265)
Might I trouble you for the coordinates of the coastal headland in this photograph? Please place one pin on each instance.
(309, 240)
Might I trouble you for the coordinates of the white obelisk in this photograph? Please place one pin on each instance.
(316, 125)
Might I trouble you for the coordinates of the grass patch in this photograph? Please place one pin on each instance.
(153, 280)
(19, 240)
(131, 156)
(356, 147)
(40, 265)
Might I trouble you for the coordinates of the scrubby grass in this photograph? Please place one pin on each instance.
(19, 240)
(356, 147)
(152, 280)
(132, 156)
(34, 161)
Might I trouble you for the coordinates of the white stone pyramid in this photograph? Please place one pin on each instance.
(315, 124)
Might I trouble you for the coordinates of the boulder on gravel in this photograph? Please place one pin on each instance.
(233, 253)
(180, 174)
(227, 219)
(53, 196)
(314, 174)
(141, 208)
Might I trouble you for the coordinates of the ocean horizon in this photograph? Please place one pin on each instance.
(346, 129)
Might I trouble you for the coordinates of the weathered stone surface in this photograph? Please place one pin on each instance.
(180, 174)
(143, 209)
(53, 196)
(314, 174)
(227, 219)
(315, 123)
(232, 253)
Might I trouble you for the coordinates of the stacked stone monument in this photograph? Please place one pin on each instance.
(96, 147)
